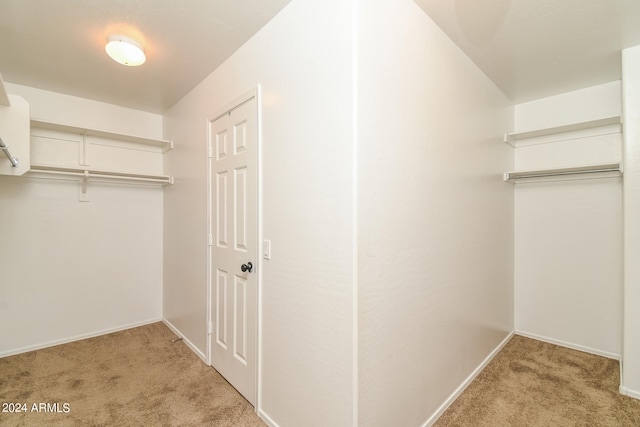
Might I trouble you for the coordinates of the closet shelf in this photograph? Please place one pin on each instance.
(164, 145)
(577, 170)
(88, 174)
(512, 138)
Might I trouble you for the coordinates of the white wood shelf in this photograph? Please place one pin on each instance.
(600, 170)
(89, 173)
(85, 176)
(164, 145)
(513, 138)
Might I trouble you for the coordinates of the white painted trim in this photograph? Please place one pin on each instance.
(247, 96)
(355, 295)
(237, 102)
(189, 344)
(267, 419)
(433, 418)
(260, 259)
(631, 393)
(631, 223)
(572, 346)
(208, 290)
(78, 338)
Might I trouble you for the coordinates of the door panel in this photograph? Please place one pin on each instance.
(221, 210)
(240, 211)
(234, 242)
(221, 309)
(240, 320)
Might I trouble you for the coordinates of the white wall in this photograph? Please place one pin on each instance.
(71, 269)
(568, 234)
(80, 112)
(630, 383)
(305, 73)
(592, 103)
(435, 218)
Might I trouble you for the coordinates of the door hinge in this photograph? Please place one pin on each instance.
(210, 239)
(210, 150)
(210, 328)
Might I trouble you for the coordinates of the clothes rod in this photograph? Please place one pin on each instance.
(612, 167)
(13, 160)
(102, 174)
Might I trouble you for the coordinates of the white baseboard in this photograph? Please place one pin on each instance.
(189, 344)
(631, 393)
(573, 346)
(47, 344)
(268, 421)
(433, 418)
(202, 356)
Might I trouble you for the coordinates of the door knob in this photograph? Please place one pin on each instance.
(246, 267)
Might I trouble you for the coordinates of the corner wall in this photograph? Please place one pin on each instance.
(568, 233)
(305, 74)
(631, 113)
(71, 270)
(435, 217)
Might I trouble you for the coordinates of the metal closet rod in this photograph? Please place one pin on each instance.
(611, 167)
(85, 173)
(13, 160)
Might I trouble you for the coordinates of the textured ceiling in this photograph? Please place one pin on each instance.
(58, 45)
(537, 48)
(529, 48)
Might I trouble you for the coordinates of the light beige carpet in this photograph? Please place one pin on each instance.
(139, 378)
(130, 378)
(531, 383)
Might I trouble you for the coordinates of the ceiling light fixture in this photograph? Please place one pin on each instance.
(125, 50)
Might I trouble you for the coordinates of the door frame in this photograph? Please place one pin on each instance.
(237, 102)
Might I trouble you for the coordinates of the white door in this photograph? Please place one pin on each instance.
(233, 154)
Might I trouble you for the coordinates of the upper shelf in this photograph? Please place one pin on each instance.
(87, 173)
(512, 138)
(164, 145)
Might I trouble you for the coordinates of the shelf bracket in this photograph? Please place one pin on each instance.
(84, 183)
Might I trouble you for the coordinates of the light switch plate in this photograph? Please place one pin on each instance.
(266, 249)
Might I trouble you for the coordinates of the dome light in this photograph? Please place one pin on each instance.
(124, 50)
